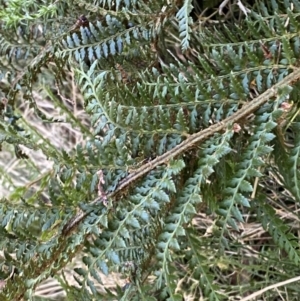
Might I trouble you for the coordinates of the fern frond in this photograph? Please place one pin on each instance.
(184, 116)
(278, 230)
(185, 23)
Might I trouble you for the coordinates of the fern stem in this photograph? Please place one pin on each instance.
(190, 142)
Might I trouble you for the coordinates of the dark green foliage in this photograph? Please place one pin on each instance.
(125, 198)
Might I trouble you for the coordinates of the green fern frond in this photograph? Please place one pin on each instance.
(183, 116)
(278, 230)
(185, 22)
